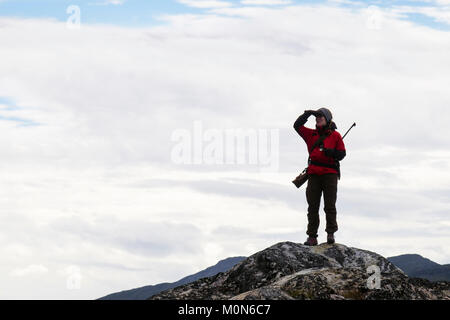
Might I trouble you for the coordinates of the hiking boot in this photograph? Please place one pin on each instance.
(330, 238)
(311, 241)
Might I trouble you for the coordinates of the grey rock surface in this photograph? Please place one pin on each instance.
(289, 270)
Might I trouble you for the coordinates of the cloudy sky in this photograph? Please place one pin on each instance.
(109, 111)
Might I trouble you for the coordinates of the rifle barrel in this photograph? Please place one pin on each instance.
(353, 125)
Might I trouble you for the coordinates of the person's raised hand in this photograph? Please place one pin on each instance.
(310, 112)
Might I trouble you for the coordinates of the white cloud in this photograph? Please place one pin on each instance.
(93, 185)
(205, 3)
(33, 269)
(108, 2)
(443, 2)
(265, 2)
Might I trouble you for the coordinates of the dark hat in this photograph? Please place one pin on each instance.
(326, 113)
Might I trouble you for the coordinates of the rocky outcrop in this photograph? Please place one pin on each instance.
(289, 270)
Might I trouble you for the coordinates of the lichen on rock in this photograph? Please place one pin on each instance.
(289, 270)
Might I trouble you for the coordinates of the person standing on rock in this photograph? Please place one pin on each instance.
(326, 148)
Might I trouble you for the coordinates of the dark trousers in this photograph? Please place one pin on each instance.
(326, 183)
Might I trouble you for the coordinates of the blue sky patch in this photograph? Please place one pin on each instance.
(135, 13)
(8, 105)
(428, 21)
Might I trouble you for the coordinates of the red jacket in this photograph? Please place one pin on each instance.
(333, 140)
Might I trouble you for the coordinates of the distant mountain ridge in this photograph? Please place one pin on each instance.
(416, 266)
(413, 265)
(145, 292)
